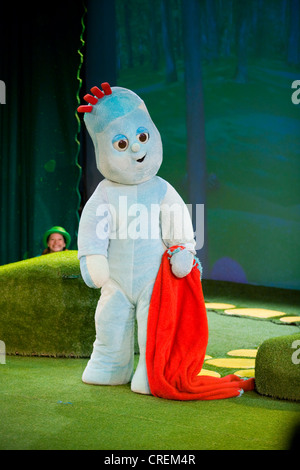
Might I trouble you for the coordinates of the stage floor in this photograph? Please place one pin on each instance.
(45, 405)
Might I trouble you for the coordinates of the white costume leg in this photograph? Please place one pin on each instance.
(139, 383)
(111, 362)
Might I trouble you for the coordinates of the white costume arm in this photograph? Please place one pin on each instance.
(93, 240)
(94, 270)
(177, 229)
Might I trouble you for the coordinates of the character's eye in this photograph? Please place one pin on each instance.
(120, 142)
(142, 135)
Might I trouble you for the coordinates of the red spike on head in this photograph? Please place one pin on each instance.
(106, 88)
(84, 109)
(90, 99)
(97, 92)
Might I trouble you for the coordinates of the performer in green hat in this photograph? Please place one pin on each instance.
(56, 239)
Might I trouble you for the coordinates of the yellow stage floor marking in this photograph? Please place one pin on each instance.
(211, 373)
(255, 312)
(243, 353)
(232, 363)
(241, 361)
(290, 319)
(218, 305)
(245, 373)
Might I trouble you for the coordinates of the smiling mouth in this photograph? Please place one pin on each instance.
(140, 160)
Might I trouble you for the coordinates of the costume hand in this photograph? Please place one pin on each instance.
(98, 269)
(182, 263)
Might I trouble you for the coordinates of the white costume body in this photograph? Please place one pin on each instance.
(125, 227)
(134, 226)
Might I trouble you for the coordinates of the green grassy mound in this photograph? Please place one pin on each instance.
(277, 368)
(45, 307)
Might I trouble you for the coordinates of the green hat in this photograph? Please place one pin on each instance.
(57, 229)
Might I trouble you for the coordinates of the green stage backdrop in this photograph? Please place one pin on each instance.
(39, 173)
(221, 79)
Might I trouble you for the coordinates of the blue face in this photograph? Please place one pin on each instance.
(129, 148)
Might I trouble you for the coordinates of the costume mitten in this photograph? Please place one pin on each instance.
(182, 263)
(94, 270)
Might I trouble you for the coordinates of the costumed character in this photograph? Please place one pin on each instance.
(133, 228)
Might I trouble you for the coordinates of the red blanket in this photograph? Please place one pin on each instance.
(177, 336)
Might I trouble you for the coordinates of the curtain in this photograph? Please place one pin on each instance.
(40, 61)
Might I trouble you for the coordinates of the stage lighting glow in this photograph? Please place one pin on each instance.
(290, 319)
(218, 306)
(243, 352)
(211, 373)
(232, 363)
(245, 373)
(254, 312)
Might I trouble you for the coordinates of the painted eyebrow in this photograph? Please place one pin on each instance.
(141, 129)
(119, 137)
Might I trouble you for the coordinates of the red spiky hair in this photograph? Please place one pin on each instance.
(93, 99)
